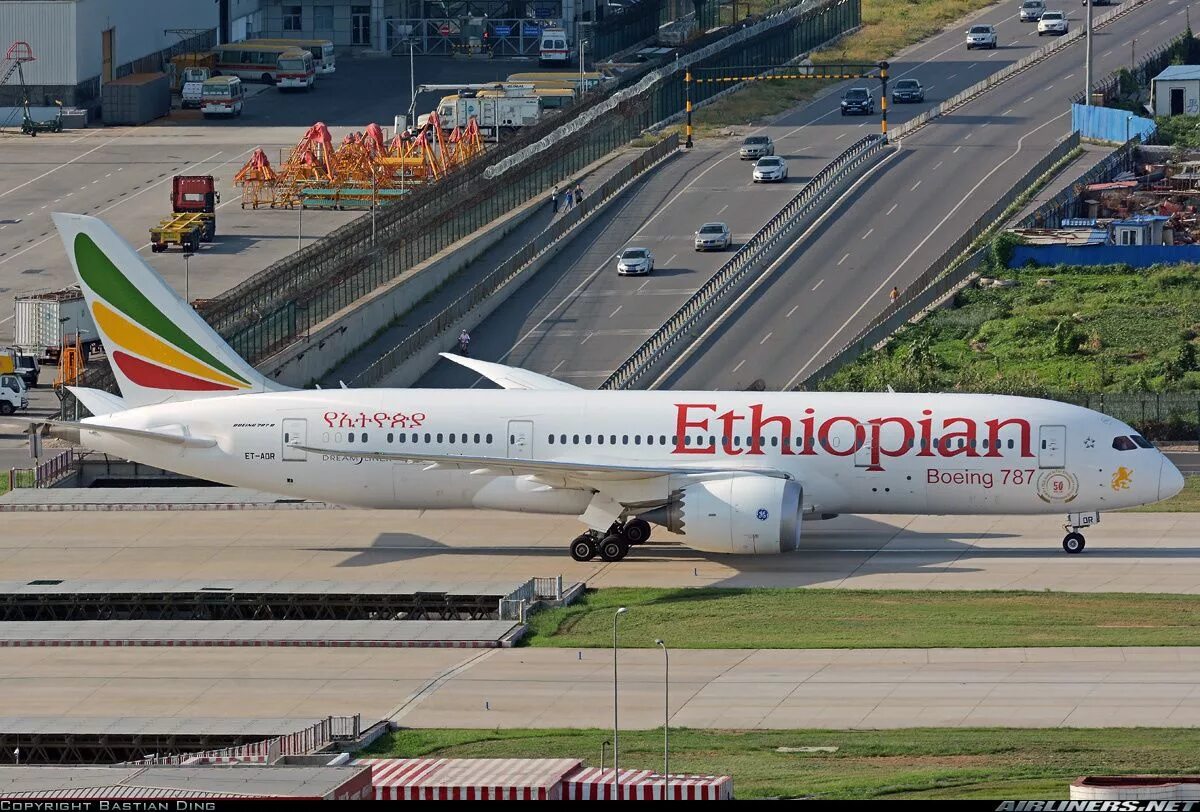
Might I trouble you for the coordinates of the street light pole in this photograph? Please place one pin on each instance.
(667, 719)
(616, 728)
(300, 224)
(1087, 58)
(187, 275)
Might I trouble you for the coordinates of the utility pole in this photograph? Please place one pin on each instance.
(1087, 56)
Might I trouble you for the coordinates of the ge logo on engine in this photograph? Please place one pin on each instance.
(762, 514)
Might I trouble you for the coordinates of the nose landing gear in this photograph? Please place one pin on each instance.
(613, 545)
(1074, 542)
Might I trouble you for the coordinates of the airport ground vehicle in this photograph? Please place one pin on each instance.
(981, 36)
(755, 147)
(770, 170)
(1052, 22)
(222, 96)
(192, 90)
(296, 70)
(712, 235)
(251, 60)
(507, 111)
(320, 49)
(42, 320)
(635, 262)
(14, 395)
(193, 220)
(858, 101)
(553, 49)
(908, 90)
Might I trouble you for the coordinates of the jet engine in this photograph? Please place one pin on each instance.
(745, 514)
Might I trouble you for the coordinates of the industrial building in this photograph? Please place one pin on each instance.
(78, 45)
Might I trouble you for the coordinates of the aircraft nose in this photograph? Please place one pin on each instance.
(1170, 481)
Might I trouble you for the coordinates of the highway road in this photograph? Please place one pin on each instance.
(578, 320)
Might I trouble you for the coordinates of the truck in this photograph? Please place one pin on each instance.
(42, 320)
(14, 396)
(193, 84)
(194, 200)
(508, 112)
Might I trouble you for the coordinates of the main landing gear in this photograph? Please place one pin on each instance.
(1074, 541)
(613, 545)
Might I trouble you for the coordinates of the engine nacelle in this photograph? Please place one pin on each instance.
(745, 514)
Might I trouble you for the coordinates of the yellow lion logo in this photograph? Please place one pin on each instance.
(1122, 479)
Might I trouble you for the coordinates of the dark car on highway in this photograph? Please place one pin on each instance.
(907, 90)
(858, 100)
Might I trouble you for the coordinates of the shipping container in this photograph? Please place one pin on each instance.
(42, 319)
(136, 98)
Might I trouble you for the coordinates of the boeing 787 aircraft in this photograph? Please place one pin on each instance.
(723, 472)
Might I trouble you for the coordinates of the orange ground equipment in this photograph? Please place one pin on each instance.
(257, 180)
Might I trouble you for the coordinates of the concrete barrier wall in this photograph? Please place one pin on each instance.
(1110, 124)
(1135, 256)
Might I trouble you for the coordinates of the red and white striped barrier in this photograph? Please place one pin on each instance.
(594, 784)
(468, 779)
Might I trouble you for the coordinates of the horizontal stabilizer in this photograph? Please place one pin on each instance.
(97, 401)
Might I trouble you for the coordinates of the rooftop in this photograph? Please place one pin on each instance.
(1176, 72)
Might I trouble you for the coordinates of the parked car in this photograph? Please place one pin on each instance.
(907, 90)
(981, 36)
(858, 100)
(1052, 22)
(713, 235)
(1031, 10)
(635, 262)
(756, 146)
(770, 169)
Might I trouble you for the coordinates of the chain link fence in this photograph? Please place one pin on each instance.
(703, 304)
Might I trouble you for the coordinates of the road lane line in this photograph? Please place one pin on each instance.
(723, 208)
(559, 364)
(615, 312)
(919, 246)
(60, 166)
(1006, 112)
(956, 149)
(794, 309)
(840, 137)
(892, 209)
(937, 165)
(819, 283)
(870, 231)
(672, 259)
(914, 186)
(1027, 101)
(843, 259)
(764, 341)
(739, 366)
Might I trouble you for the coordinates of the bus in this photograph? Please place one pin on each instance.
(553, 49)
(321, 50)
(252, 60)
(296, 70)
(221, 96)
(555, 80)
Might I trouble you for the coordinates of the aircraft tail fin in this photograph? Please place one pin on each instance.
(160, 349)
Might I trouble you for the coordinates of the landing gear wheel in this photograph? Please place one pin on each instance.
(637, 531)
(613, 548)
(583, 548)
(1074, 543)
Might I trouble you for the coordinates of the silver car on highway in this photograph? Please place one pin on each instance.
(771, 169)
(713, 235)
(756, 146)
(635, 262)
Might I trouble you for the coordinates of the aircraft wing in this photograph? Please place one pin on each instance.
(579, 471)
(164, 436)
(506, 376)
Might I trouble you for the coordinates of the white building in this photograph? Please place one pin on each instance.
(80, 44)
(1176, 91)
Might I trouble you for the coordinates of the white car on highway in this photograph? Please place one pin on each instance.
(1052, 22)
(770, 169)
(1031, 11)
(713, 235)
(635, 262)
(981, 36)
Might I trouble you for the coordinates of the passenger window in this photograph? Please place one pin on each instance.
(662, 439)
(774, 442)
(624, 439)
(489, 439)
(562, 438)
(637, 439)
(612, 439)
(350, 437)
(687, 439)
(575, 439)
(587, 439)
(476, 439)
(649, 439)
(338, 437)
(1123, 444)
(550, 439)
(451, 439)
(389, 439)
(737, 442)
(599, 439)
(674, 439)
(400, 437)
(439, 436)
(428, 436)
(1010, 442)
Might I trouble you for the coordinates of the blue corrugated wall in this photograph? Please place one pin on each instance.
(1109, 124)
(1136, 256)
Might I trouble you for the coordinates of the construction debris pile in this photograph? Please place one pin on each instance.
(363, 170)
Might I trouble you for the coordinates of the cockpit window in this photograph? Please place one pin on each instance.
(1142, 441)
(1124, 444)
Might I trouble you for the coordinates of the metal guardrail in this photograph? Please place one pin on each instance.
(945, 273)
(702, 303)
(514, 266)
(315, 736)
(1004, 74)
(44, 474)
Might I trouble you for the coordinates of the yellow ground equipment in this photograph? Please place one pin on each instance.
(70, 365)
(185, 230)
(257, 180)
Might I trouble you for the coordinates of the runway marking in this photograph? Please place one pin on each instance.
(814, 289)
(122, 202)
(764, 341)
(914, 186)
(956, 149)
(892, 209)
(870, 231)
(843, 259)
(938, 164)
(60, 166)
(919, 246)
(739, 366)
(615, 312)
(794, 309)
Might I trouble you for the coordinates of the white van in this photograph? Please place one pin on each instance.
(554, 49)
(221, 96)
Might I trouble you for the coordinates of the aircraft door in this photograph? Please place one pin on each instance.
(295, 434)
(863, 447)
(520, 439)
(1052, 450)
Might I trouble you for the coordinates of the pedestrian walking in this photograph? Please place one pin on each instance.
(570, 200)
(554, 199)
(895, 294)
(578, 193)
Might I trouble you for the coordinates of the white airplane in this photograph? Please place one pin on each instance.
(725, 472)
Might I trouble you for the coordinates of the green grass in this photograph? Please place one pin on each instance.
(1186, 501)
(1093, 329)
(829, 618)
(887, 27)
(892, 764)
